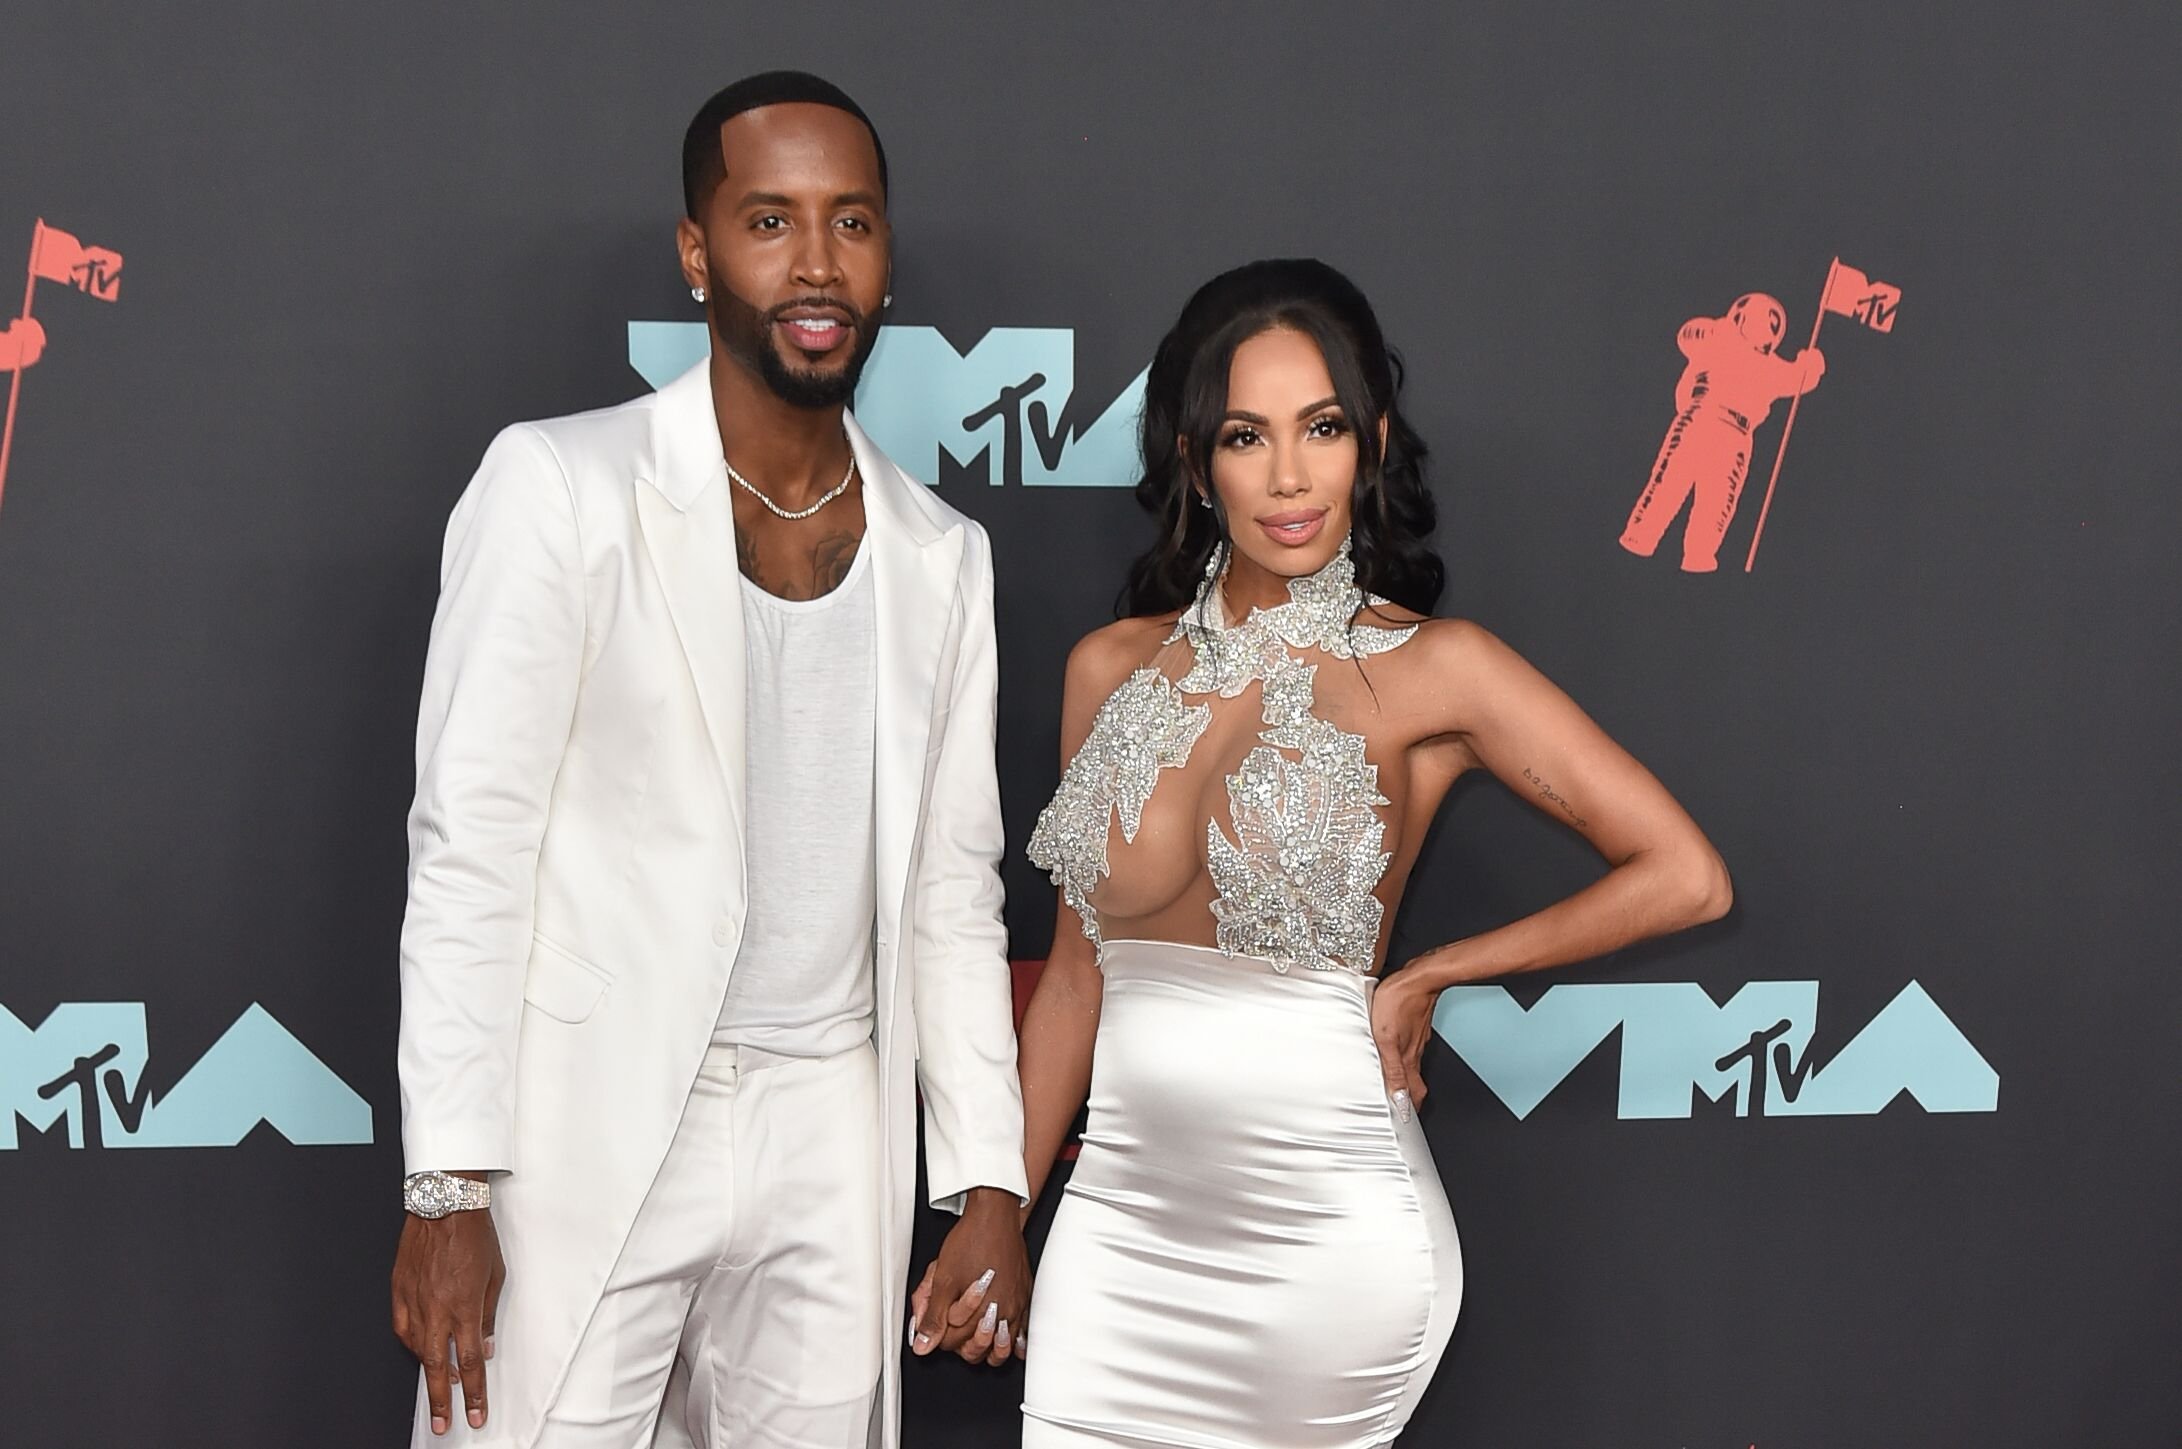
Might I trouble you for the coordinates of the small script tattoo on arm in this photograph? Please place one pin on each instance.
(1547, 792)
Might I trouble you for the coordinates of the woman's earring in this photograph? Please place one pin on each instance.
(887, 300)
(698, 293)
(1203, 502)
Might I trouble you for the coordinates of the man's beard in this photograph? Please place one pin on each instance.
(748, 336)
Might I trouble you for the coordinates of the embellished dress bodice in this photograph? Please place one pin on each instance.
(1296, 864)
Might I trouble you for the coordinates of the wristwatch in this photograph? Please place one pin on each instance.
(436, 1194)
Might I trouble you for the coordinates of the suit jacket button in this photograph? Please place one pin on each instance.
(722, 933)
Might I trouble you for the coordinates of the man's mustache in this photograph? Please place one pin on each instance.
(816, 301)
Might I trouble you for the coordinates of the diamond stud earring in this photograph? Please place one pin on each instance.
(697, 293)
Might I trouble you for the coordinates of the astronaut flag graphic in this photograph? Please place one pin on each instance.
(1733, 374)
(55, 256)
(1852, 294)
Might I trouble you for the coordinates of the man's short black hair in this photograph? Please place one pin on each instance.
(703, 166)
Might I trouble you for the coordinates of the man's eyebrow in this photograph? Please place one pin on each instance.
(776, 198)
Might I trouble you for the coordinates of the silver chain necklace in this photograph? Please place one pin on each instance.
(838, 489)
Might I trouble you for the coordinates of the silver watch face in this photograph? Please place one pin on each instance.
(430, 1194)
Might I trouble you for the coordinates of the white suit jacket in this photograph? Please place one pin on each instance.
(576, 881)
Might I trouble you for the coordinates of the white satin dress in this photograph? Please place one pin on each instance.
(1254, 1250)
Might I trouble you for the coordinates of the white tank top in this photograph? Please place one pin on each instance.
(802, 984)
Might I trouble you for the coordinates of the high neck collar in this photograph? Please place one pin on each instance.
(1331, 589)
(1320, 613)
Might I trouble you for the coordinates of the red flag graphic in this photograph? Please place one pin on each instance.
(55, 256)
(59, 257)
(1852, 294)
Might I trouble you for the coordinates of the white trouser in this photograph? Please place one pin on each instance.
(746, 1301)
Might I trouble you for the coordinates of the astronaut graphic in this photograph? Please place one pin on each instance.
(1734, 376)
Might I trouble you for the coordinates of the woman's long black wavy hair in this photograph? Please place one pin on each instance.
(1185, 402)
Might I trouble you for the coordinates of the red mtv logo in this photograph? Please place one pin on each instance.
(58, 257)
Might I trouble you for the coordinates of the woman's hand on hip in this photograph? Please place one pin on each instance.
(1401, 1023)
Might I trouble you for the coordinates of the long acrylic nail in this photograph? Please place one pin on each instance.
(984, 1282)
(1001, 1339)
(992, 1317)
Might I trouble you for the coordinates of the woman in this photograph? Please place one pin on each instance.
(1254, 1249)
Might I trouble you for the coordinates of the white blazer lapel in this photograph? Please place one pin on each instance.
(916, 575)
(688, 522)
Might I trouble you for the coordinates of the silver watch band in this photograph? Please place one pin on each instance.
(436, 1194)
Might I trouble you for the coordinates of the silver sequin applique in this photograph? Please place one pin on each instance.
(1320, 614)
(1144, 726)
(1296, 883)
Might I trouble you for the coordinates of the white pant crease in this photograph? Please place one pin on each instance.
(744, 1310)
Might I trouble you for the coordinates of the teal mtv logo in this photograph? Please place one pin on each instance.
(84, 1065)
(1003, 400)
(1677, 1041)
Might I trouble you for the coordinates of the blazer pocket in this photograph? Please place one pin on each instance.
(563, 986)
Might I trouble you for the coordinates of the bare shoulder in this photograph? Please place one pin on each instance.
(1439, 644)
(1461, 641)
(1467, 656)
(1106, 656)
(1098, 664)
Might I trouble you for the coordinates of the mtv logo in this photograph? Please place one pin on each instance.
(1002, 401)
(1876, 311)
(84, 1064)
(1676, 1041)
(99, 273)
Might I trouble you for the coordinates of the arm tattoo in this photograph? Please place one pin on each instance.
(1547, 792)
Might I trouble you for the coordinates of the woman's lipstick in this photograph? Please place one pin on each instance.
(1294, 528)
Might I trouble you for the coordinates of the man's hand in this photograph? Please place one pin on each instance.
(975, 1297)
(447, 1277)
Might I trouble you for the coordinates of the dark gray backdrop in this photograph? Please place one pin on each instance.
(1932, 732)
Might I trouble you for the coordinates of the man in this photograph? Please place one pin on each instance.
(703, 876)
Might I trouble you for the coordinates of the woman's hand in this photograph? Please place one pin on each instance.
(979, 1315)
(1401, 1023)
